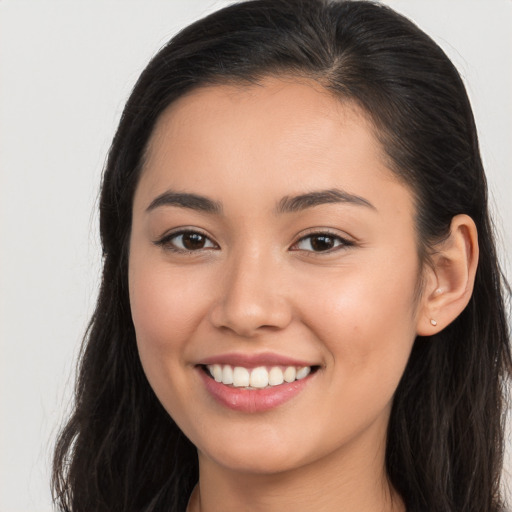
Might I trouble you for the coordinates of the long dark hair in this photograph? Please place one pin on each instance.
(120, 450)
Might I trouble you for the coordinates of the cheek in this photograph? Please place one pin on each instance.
(164, 311)
(166, 305)
(166, 308)
(367, 320)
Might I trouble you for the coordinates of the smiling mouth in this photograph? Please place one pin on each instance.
(260, 377)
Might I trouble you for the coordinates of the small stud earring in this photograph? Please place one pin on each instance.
(433, 322)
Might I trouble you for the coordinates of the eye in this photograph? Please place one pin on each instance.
(321, 242)
(186, 241)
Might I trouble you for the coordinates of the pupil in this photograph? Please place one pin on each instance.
(322, 243)
(193, 241)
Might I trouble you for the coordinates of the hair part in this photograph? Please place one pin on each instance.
(120, 450)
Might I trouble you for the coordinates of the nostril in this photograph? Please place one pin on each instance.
(246, 320)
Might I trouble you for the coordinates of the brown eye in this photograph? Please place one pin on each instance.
(186, 241)
(321, 242)
(193, 241)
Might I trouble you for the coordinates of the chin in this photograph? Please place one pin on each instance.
(254, 462)
(259, 456)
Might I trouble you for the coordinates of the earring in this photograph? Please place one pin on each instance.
(433, 322)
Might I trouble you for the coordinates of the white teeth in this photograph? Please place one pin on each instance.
(259, 377)
(289, 374)
(227, 375)
(275, 376)
(303, 372)
(217, 372)
(241, 377)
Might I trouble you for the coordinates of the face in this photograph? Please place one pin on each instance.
(273, 276)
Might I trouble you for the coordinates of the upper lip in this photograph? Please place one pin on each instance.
(254, 360)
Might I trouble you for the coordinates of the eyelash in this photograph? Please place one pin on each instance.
(342, 243)
(167, 242)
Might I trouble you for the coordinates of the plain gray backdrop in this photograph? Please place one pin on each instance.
(66, 69)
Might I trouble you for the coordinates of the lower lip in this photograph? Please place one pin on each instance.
(253, 400)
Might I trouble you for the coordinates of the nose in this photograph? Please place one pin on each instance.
(252, 298)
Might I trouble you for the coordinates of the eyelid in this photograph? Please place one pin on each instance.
(164, 241)
(346, 241)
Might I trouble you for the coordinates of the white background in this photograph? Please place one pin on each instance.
(66, 68)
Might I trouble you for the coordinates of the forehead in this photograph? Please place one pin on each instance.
(286, 136)
(218, 113)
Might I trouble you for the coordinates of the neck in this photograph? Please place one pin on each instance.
(339, 482)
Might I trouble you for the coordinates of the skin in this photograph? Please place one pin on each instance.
(257, 285)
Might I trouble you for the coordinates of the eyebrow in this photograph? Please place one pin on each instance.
(290, 204)
(287, 204)
(185, 200)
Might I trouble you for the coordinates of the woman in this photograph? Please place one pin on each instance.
(301, 305)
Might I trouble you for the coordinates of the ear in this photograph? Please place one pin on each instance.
(448, 281)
